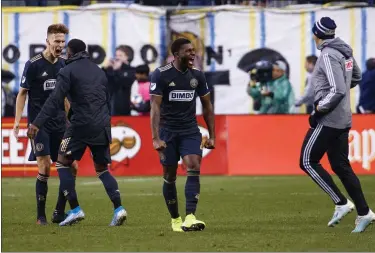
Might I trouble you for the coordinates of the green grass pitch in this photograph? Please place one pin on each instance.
(241, 214)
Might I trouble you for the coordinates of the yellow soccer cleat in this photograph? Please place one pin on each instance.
(176, 225)
(192, 224)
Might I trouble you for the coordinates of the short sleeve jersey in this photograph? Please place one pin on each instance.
(39, 78)
(179, 91)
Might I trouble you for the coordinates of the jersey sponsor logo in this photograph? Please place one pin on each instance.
(181, 95)
(349, 65)
(23, 79)
(152, 86)
(194, 83)
(49, 84)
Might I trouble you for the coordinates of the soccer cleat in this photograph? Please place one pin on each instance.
(73, 217)
(362, 222)
(42, 221)
(192, 224)
(119, 217)
(176, 225)
(340, 212)
(58, 217)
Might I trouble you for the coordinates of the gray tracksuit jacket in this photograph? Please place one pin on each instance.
(335, 73)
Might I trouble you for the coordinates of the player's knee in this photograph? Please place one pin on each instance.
(64, 161)
(44, 166)
(170, 177)
(302, 164)
(193, 165)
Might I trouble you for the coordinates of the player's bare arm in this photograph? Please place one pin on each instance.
(209, 118)
(20, 105)
(155, 120)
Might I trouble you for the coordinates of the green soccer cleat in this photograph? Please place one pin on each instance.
(192, 224)
(176, 225)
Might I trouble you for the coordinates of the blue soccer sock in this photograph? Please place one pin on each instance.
(192, 190)
(67, 185)
(41, 188)
(111, 187)
(170, 196)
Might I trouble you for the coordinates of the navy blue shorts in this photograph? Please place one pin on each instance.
(46, 143)
(74, 147)
(179, 145)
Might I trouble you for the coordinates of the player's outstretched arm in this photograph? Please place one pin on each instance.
(209, 118)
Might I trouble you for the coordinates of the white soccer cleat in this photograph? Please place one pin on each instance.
(75, 216)
(119, 217)
(362, 222)
(340, 212)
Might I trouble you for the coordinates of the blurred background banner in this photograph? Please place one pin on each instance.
(245, 145)
(228, 40)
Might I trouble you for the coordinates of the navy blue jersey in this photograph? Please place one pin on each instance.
(179, 91)
(39, 78)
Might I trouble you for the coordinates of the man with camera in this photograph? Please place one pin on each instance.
(270, 88)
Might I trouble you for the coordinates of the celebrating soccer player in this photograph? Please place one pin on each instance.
(174, 88)
(85, 85)
(38, 82)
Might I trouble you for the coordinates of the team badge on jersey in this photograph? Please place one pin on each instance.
(194, 83)
(49, 84)
(152, 86)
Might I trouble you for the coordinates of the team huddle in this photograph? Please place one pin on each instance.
(69, 110)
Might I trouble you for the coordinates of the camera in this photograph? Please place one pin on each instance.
(263, 72)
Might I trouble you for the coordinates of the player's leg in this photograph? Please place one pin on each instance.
(59, 213)
(41, 153)
(338, 158)
(70, 149)
(169, 159)
(101, 156)
(191, 152)
(314, 146)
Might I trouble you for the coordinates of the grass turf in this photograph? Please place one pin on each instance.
(241, 214)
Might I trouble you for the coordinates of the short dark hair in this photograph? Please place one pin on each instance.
(142, 69)
(311, 59)
(76, 46)
(178, 43)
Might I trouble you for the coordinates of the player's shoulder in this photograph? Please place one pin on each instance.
(35, 60)
(165, 68)
(196, 72)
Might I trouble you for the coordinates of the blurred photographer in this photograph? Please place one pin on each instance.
(271, 87)
(121, 77)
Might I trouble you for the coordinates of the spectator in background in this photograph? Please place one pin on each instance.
(141, 99)
(121, 77)
(8, 97)
(367, 89)
(308, 96)
(276, 96)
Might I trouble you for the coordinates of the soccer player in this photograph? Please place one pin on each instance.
(85, 85)
(38, 82)
(335, 73)
(175, 133)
